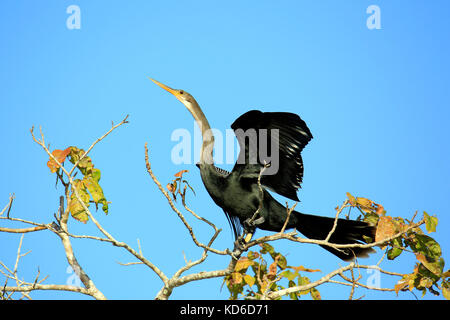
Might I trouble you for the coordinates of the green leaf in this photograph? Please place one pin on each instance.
(396, 250)
(85, 165)
(96, 174)
(288, 274)
(267, 248)
(427, 245)
(371, 218)
(315, 294)
(293, 295)
(75, 207)
(394, 253)
(252, 255)
(430, 222)
(301, 282)
(281, 261)
(96, 192)
(436, 266)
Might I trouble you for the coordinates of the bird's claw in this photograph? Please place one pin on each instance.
(250, 225)
(239, 244)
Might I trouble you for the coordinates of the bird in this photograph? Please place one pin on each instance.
(243, 193)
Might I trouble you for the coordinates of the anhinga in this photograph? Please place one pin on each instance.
(242, 192)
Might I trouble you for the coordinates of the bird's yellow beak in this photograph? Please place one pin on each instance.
(172, 91)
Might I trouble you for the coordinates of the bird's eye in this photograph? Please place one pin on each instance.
(181, 92)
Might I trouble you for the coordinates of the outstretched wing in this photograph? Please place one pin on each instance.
(285, 131)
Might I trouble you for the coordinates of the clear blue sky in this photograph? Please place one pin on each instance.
(376, 101)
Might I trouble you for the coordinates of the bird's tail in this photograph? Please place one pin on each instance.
(346, 232)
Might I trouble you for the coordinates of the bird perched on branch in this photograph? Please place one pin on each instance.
(269, 159)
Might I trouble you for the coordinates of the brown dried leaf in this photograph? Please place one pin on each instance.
(60, 155)
(380, 209)
(171, 187)
(385, 229)
(401, 284)
(180, 174)
(272, 270)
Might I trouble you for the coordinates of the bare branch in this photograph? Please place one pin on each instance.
(63, 234)
(97, 141)
(22, 230)
(32, 287)
(180, 277)
(292, 236)
(336, 220)
(179, 214)
(289, 211)
(326, 278)
(8, 206)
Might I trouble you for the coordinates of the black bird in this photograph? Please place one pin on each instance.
(240, 195)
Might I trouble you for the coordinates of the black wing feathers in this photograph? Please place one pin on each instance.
(293, 136)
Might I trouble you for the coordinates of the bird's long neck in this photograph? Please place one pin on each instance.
(206, 153)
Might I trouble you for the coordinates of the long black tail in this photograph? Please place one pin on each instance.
(346, 232)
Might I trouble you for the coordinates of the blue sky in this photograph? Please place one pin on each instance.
(376, 101)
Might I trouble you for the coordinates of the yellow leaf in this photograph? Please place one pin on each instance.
(365, 204)
(243, 264)
(75, 207)
(96, 192)
(402, 283)
(236, 278)
(302, 268)
(351, 199)
(249, 280)
(446, 291)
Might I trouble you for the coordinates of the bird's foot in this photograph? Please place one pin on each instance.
(250, 224)
(239, 244)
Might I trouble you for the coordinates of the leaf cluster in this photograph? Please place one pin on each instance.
(179, 186)
(253, 276)
(428, 274)
(88, 188)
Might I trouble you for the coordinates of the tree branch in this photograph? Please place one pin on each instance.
(283, 292)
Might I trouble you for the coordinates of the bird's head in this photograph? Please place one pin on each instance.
(206, 155)
(185, 97)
